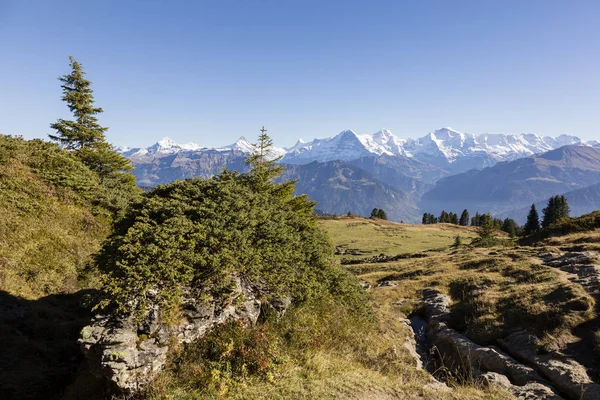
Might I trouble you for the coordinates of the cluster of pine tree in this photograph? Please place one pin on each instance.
(557, 209)
(507, 225)
(378, 213)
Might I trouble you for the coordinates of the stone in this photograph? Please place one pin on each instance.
(493, 366)
(566, 374)
(129, 352)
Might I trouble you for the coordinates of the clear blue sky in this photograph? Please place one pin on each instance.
(210, 71)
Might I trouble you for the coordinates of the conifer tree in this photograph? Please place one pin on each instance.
(557, 209)
(533, 221)
(464, 218)
(476, 220)
(453, 218)
(84, 135)
(425, 219)
(444, 217)
(263, 165)
(375, 213)
(486, 226)
(509, 226)
(381, 214)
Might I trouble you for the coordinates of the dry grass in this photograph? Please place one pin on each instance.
(494, 289)
(45, 239)
(320, 352)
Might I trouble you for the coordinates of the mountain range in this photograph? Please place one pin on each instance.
(445, 169)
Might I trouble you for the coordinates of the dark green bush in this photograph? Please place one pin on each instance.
(200, 233)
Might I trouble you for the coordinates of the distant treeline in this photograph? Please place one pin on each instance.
(557, 209)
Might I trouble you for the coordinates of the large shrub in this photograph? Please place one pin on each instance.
(200, 233)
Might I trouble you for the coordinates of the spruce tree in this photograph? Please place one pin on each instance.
(557, 209)
(263, 164)
(533, 222)
(444, 217)
(564, 210)
(509, 226)
(381, 214)
(486, 226)
(425, 219)
(464, 218)
(84, 135)
(375, 213)
(476, 220)
(453, 218)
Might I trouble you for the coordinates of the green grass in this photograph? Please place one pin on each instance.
(370, 237)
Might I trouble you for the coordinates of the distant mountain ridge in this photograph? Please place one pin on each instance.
(515, 184)
(445, 169)
(444, 148)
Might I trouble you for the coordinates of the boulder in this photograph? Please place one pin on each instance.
(130, 351)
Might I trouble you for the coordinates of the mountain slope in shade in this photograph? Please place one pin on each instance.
(152, 171)
(581, 201)
(409, 175)
(339, 187)
(516, 184)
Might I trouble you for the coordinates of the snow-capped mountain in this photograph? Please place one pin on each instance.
(167, 146)
(164, 146)
(447, 146)
(444, 148)
(346, 146)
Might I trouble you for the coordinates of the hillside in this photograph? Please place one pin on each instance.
(151, 170)
(339, 187)
(54, 214)
(524, 316)
(581, 201)
(406, 174)
(518, 183)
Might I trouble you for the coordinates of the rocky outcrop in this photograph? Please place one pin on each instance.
(568, 376)
(130, 351)
(580, 267)
(486, 363)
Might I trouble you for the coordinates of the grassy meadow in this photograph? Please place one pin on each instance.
(369, 237)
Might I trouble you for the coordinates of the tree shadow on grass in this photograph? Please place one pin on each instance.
(39, 353)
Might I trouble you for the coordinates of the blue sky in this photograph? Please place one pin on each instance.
(210, 71)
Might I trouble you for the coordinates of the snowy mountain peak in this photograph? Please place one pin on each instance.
(240, 145)
(166, 142)
(445, 147)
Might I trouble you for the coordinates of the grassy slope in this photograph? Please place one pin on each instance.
(370, 237)
(47, 228)
(494, 289)
(52, 218)
(323, 354)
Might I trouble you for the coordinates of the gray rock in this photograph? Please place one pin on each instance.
(129, 352)
(457, 352)
(566, 374)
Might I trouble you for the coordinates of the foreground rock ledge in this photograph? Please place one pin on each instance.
(488, 364)
(129, 352)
